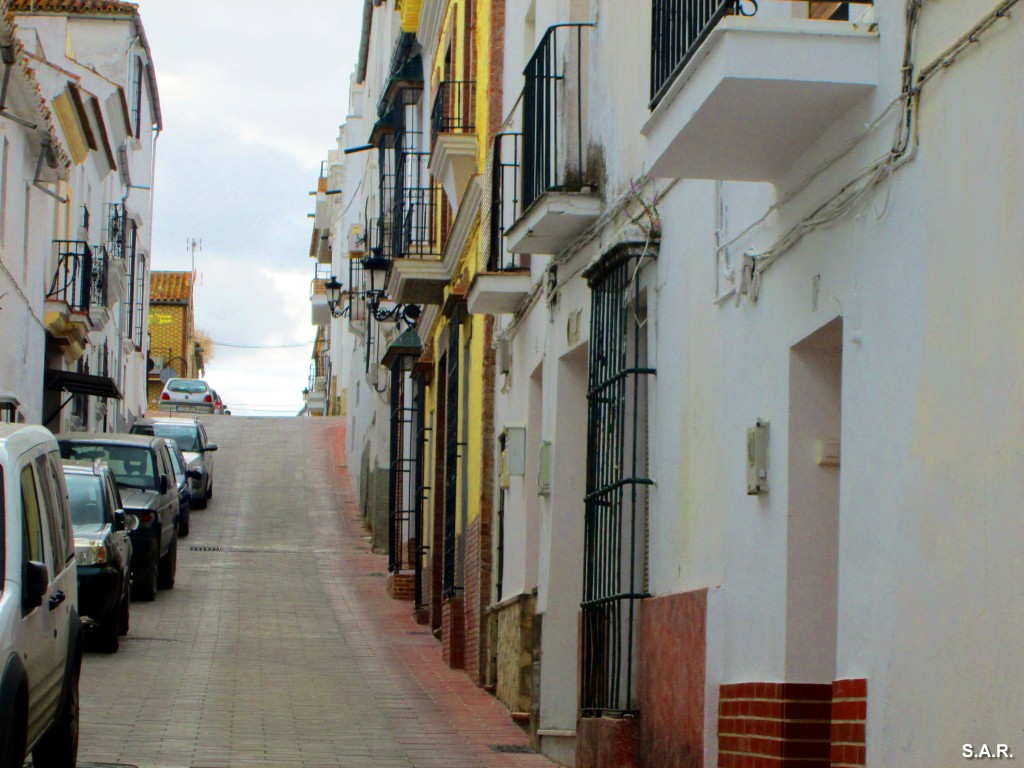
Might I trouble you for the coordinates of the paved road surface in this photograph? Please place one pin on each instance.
(278, 645)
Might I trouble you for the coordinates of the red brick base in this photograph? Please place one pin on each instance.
(786, 725)
(605, 742)
(453, 632)
(402, 586)
(849, 712)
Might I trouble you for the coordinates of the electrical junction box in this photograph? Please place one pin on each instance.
(826, 452)
(503, 355)
(514, 455)
(757, 459)
(544, 470)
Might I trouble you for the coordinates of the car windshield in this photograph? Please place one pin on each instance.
(185, 435)
(132, 465)
(190, 386)
(85, 492)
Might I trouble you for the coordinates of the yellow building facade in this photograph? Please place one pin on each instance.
(173, 350)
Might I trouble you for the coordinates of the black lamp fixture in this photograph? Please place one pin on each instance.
(333, 288)
(376, 266)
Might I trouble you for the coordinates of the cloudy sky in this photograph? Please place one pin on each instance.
(252, 93)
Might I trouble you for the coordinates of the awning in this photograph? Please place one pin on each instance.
(75, 383)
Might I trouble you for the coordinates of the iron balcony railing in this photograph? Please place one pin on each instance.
(680, 27)
(100, 278)
(115, 230)
(72, 281)
(552, 131)
(454, 107)
(414, 213)
(505, 173)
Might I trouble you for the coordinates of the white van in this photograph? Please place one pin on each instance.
(40, 630)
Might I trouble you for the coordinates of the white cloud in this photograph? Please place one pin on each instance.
(252, 92)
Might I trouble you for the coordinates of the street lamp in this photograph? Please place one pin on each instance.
(376, 266)
(333, 288)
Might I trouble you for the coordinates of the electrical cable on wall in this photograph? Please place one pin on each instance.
(854, 192)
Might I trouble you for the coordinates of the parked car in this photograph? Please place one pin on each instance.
(103, 550)
(187, 396)
(183, 477)
(40, 629)
(218, 404)
(195, 445)
(145, 476)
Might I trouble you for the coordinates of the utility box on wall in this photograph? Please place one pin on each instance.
(544, 469)
(514, 455)
(757, 459)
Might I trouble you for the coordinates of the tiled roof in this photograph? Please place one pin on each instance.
(170, 286)
(74, 6)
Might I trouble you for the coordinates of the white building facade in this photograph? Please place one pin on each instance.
(753, 274)
(91, 251)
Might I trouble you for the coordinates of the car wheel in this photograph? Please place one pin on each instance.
(13, 752)
(209, 490)
(126, 613)
(108, 636)
(144, 583)
(182, 530)
(59, 746)
(199, 502)
(168, 565)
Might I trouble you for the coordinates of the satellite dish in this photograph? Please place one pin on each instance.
(167, 373)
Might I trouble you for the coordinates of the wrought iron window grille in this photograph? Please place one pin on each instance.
(617, 482)
(403, 531)
(115, 229)
(451, 487)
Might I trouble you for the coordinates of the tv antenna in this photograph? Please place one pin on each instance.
(194, 244)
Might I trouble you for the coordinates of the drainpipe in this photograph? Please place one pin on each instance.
(364, 40)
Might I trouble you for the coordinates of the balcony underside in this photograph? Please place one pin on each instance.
(758, 94)
(453, 163)
(70, 329)
(417, 281)
(553, 221)
(497, 293)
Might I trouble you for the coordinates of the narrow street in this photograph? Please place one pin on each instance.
(278, 645)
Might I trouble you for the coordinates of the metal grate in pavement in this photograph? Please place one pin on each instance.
(516, 749)
(106, 765)
(248, 550)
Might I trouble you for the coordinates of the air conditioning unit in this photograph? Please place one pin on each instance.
(503, 355)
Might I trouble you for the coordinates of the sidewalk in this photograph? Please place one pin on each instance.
(439, 716)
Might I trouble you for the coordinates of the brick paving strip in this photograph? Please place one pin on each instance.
(278, 646)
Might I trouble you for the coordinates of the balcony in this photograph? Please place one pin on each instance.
(454, 157)
(77, 299)
(557, 194)
(506, 280)
(118, 230)
(740, 91)
(417, 275)
(319, 308)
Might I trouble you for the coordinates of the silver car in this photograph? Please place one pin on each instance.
(187, 396)
(190, 436)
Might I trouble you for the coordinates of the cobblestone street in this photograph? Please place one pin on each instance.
(278, 645)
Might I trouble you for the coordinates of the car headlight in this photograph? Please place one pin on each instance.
(92, 553)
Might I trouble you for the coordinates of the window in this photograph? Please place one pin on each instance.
(86, 494)
(53, 511)
(185, 436)
(3, 531)
(34, 546)
(132, 466)
(617, 483)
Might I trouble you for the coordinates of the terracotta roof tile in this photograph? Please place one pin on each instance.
(170, 286)
(74, 6)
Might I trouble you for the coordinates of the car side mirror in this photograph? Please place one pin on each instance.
(210, 447)
(163, 484)
(37, 583)
(119, 520)
(194, 474)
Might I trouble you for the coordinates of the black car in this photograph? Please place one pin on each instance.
(145, 477)
(183, 478)
(103, 550)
